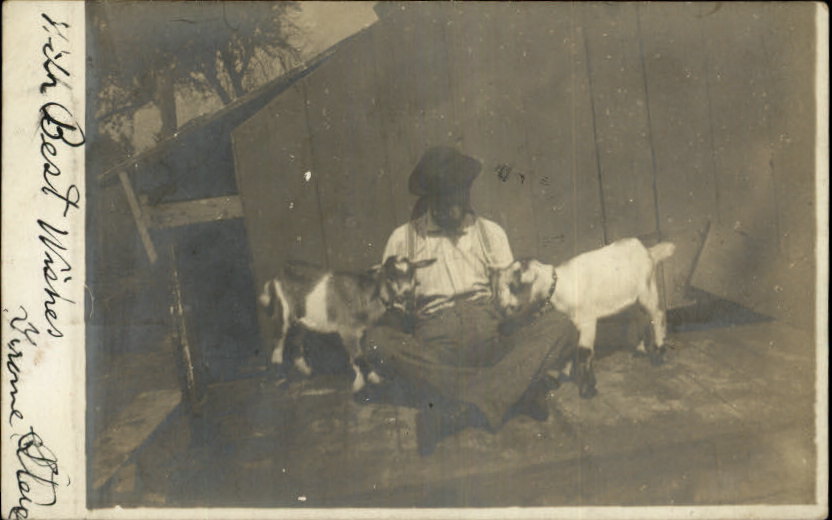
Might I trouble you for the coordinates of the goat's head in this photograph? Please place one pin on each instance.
(519, 285)
(397, 279)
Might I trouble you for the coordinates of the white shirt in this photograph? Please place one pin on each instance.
(463, 261)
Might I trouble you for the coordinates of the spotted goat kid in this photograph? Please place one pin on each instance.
(303, 297)
(588, 287)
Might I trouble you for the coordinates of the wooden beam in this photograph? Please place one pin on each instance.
(195, 211)
(138, 216)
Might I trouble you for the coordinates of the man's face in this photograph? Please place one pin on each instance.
(448, 212)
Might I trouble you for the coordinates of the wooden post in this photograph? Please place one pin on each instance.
(181, 335)
(660, 275)
(138, 216)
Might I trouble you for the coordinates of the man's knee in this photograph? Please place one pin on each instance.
(396, 319)
(375, 338)
(556, 324)
(382, 342)
(374, 335)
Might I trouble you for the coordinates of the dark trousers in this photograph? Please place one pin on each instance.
(461, 354)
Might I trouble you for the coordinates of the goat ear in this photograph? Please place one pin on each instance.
(423, 263)
(390, 261)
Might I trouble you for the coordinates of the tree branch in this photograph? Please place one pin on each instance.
(133, 105)
(233, 74)
(216, 85)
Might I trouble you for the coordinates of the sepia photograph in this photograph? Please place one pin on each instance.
(614, 202)
(455, 255)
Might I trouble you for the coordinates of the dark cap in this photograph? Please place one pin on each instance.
(443, 170)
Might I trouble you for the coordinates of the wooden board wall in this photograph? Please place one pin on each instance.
(607, 120)
(676, 99)
(759, 75)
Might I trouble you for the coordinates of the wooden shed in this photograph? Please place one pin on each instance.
(593, 121)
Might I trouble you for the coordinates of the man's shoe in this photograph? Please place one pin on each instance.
(550, 382)
(536, 408)
(533, 402)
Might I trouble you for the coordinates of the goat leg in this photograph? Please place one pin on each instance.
(352, 344)
(654, 351)
(296, 351)
(370, 375)
(649, 299)
(585, 373)
(277, 353)
(357, 383)
(583, 369)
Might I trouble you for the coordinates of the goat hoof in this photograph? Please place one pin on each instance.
(588, 392)
(374, 378)
(552, 383)
(657, 356)
(567, 373)
(303, 366)
(277, 371)
(358, 383)
(585, 379)
(363, 396)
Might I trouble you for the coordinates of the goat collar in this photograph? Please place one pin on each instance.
(547, 303)
(553, 286)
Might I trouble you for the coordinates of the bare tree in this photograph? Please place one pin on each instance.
(146, 50)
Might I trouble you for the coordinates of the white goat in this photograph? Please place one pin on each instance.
(590, 286)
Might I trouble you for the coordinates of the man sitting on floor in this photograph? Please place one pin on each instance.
(453, 351)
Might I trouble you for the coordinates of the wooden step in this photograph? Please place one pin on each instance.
(131, 428)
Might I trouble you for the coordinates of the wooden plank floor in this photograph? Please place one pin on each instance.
(728, 419)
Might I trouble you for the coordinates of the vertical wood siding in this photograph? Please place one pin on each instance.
(607, 120)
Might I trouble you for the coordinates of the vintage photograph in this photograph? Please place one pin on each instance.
(451, 254)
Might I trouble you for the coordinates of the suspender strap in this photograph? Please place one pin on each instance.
(410, 240)
(485, 243)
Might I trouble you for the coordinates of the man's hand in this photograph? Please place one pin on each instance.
(397, 319)
(516, 321)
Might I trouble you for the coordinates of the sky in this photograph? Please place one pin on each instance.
(327, 23)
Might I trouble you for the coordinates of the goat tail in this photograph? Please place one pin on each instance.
(273, 300)
(662, 251)
(268, 298)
